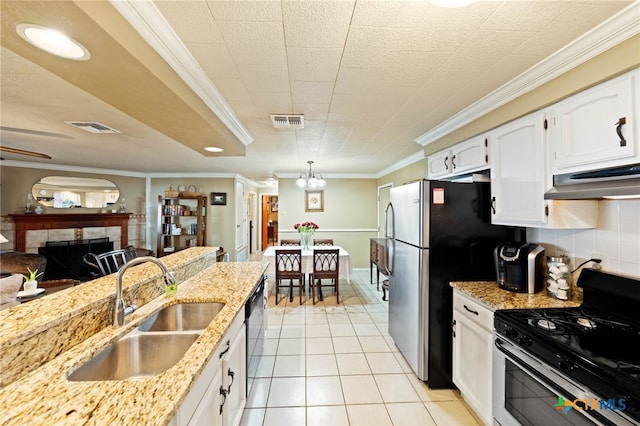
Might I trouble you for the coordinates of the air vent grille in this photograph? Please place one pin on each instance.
(92, 126)
(282, 121)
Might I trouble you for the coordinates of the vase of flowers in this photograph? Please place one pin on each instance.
(306, 230)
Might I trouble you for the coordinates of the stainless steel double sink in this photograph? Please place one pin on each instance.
(153, 347)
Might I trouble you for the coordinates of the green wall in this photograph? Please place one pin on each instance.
(219, 220)
(16, 183)
(349, 215)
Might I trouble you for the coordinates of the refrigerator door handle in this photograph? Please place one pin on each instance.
(389, 215)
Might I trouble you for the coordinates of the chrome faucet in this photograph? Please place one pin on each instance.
(120, 309)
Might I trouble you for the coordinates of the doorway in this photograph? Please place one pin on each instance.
(384, 197)
(269, 224)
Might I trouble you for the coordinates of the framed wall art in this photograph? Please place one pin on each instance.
(274, 204)
(313, 201)
(218, 198)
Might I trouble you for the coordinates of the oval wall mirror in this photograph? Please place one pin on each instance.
(66, 192)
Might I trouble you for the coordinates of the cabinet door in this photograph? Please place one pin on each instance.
(518, 172)
(584, 128)
(234, 379)
(470, 155)
(209, 411)
(439, 164)
(472, 346)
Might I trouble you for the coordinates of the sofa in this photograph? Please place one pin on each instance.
(17, 262)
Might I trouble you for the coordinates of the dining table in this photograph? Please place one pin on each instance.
(269, 257)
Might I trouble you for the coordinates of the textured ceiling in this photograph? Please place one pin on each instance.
(369, 76)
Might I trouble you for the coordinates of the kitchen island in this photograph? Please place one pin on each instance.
(45, 396)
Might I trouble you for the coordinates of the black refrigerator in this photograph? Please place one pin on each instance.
(436, 232)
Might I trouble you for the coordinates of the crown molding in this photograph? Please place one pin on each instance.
(147, 20)
(610, 33)
(401, 164)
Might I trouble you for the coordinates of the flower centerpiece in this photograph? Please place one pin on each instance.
(306, 230)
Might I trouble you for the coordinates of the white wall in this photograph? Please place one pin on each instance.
(616, 240)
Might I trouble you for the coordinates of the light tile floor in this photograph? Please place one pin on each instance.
(333, 365)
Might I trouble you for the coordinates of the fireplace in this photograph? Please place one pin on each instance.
(64, 258)
(79, 221)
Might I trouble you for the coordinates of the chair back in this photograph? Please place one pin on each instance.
(325, 242)
(109, 262)
(288, 263)
(289, 242)
(326, 263)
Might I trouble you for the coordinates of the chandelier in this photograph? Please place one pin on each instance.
(311, 179)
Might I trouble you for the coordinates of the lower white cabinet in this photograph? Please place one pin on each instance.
(472, 330)
(218, 396)
(234, 378)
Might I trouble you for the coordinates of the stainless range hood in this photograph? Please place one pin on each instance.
(617, 182)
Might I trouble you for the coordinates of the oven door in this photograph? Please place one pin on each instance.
(527, 391)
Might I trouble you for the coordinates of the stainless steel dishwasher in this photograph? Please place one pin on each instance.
(254, 322)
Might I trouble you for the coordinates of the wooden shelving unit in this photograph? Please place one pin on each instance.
(180, 223)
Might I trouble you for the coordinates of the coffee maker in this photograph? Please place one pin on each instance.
(520, 267)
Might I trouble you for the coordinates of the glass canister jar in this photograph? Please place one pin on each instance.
(559, 277)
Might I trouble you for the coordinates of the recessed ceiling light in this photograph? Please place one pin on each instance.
(451, 3)
(53, 41)
(213, 149)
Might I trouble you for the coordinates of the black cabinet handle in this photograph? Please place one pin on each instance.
(619, 124)
(493, 204)
(453, 328)
(225, 349)
(224, 393)
(446, 165)
(232, 375)
(471, 310)
(453, 161)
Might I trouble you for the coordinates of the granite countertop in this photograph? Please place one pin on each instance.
(45, 396)
(488, 293)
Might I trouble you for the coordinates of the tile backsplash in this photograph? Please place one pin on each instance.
(616, 240)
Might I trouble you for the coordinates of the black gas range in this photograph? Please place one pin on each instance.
(586, 358)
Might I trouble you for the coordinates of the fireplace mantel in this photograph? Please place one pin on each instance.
(29, 222)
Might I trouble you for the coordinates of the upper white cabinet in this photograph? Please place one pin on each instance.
(464, 157)
(597, 128)
(520, 177)
(518, 169)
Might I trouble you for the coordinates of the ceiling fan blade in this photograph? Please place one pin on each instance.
(24, 152)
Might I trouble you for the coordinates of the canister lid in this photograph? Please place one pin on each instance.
(559, 259)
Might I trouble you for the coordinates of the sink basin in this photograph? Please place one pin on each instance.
(182, 317)
(135, 356)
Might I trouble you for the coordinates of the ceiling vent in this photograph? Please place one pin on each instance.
(92, 127)
(281, 121)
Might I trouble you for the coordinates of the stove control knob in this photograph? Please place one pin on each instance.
(511, 333)
(566, 365)
(524, 341)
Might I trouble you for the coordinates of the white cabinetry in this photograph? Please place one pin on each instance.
(520, 177)
(219, 395)
(598, 127)
(464, 157)
(472, 330)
